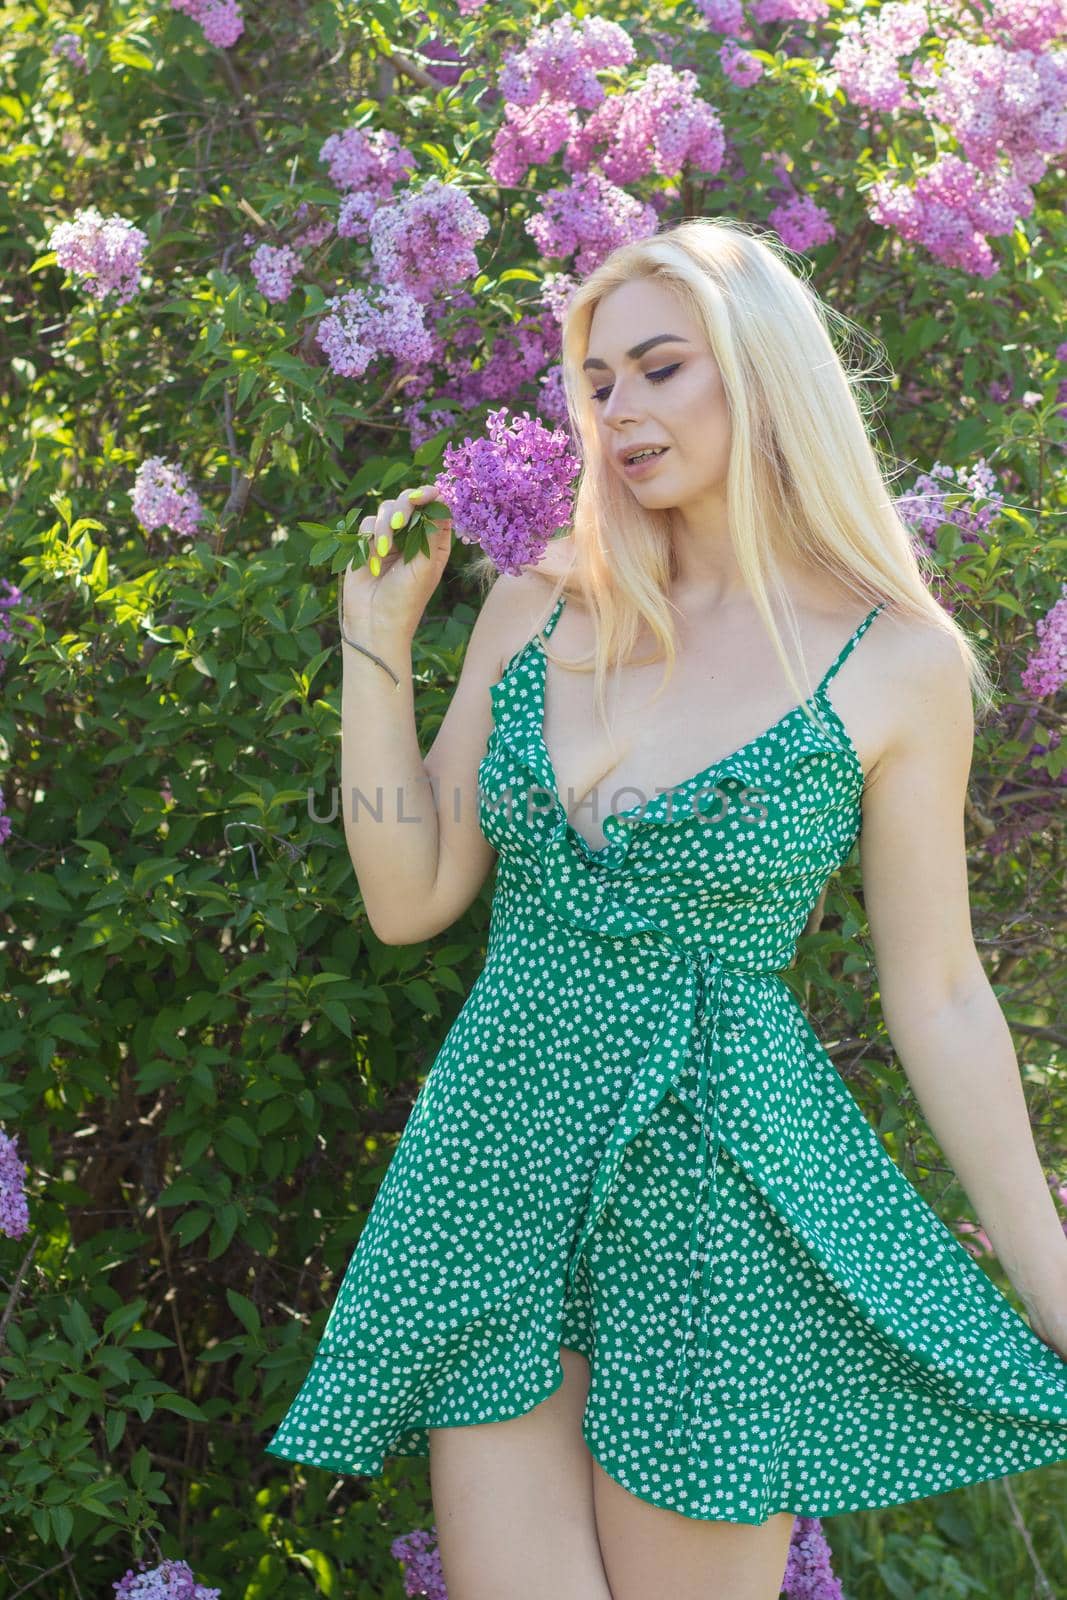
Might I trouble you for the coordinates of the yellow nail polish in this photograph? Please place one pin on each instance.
(375, 566)
(383, 544)
(397, 520)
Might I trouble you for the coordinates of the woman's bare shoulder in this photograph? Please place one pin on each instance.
(519, 602)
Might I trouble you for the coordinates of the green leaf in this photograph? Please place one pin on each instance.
(245, 1310)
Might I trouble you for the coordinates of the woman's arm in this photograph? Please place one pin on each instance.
(411, 823)
(943, 1018)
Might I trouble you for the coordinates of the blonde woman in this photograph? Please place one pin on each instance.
(641, 1279)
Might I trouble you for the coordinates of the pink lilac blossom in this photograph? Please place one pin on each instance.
(425, 241)
(556, 290)
(171, 1580)
(659, 127)
(999, 390)
(808, 1573)
(510, 492)
(801, 224)
(1045, 672)
(869, 50)
(552, 401)
(220, 20)
(924, 507)
(763, 11)
(105, 252)
(740, 66)
(163, 498)
(998, 101)
(528, 137)
(14, 1209)
(374, 159)
(274, 268)
(421, 1564)
(723, 16)
(315, 233)
(358, 329)
(590, 218)
(1027, 24)
(425, 425)
(354, 217)
(561, 60)
(69, 45)
(951, 209)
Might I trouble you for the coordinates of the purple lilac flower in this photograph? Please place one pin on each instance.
(315, 233)
(358, 329)
(171, 1580)
(870, 49)
(1026, 24)
(591, 217)
(658, 128)
(1045, 672)
(529, 137)
(163, 498)
(273, 268)
(104, 251)
(8, 601)
(510, 492)
(764, 11)
(360, 158)
(801, 223)
(723, 16)
(808, 1573)
(417, 1553)
(996, 102)
(556, 290)
(425, 241)
(925, 510)
(14, 1210)
(561, 59)
(220, 20)
(951, 209)
(69, 45)
(740, 66)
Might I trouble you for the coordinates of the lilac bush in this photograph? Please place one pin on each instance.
(363, 226)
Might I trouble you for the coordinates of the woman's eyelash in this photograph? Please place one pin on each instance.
(653, 377)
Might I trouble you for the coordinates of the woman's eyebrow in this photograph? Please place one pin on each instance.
(638, 350)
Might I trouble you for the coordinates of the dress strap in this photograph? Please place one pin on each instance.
(554, 616)
(849, 644)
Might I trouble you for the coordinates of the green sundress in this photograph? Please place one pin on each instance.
(631, 1142)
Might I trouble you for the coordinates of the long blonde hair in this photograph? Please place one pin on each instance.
(805, 477)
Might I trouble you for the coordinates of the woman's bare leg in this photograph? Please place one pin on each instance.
(513, 1502)
(651, 1551)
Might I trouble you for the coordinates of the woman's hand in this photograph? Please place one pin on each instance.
(385, 599)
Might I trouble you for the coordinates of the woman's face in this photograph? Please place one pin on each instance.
(670, 394)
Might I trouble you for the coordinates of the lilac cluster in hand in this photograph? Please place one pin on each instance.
(512, 491)
(163, 497)
(14, 1209)
(171, 1580)
(105, 252)
(220, 20)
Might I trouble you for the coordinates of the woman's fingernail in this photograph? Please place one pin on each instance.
(383, 544)
(375, 566)
(398, 519)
